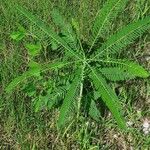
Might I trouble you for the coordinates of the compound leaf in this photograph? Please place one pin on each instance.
(108, 96)
(123, 37)
(69, 99)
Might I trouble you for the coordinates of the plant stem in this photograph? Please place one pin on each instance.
(81, 91)
(79, 101)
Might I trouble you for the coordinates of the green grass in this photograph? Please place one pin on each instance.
(22, 128)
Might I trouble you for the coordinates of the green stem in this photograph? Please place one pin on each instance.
(81, 91)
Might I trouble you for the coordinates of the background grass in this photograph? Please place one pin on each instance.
(22, 128)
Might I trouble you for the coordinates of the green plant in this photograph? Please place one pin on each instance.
(79, 74)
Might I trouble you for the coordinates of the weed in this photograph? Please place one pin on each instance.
(86, 68)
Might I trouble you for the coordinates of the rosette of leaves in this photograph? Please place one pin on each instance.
(89, 73)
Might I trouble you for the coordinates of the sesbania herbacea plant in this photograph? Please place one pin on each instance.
(79, 76)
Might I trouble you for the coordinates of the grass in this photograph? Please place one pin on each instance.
(22, 128)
